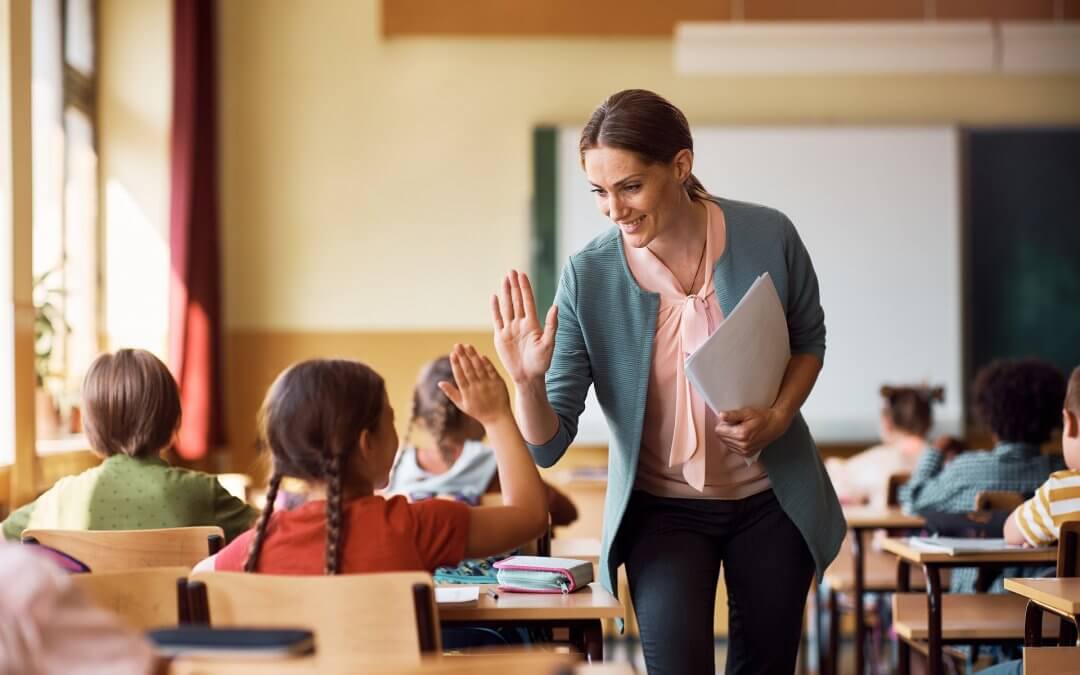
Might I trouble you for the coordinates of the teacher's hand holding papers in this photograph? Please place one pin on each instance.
(747, 431)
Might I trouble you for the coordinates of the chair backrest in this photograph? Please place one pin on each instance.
(892, 487)
(107, 550)
(362, 615)
(997, 500)
(1068, 555)
(145, 598)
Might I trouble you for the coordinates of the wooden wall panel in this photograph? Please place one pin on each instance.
(595, 18)
(648, 18)
(1008, 10)
(833, 10)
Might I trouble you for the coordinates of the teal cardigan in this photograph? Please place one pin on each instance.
(605, 338)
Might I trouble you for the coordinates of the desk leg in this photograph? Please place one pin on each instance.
(834, 633)
(933, 604)
(860, 588)
(1032, 625)
(588, 636)
(903, 649)
(1067, 632)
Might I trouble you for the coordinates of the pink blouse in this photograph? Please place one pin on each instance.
(680, 454)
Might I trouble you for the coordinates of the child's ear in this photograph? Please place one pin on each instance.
(1070, 425)
(364, 442)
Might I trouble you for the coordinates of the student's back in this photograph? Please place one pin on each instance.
(330, 423)
(131, 412)
(1020, 402)
(382, 535)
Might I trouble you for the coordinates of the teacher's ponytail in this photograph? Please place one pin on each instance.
(646, 124)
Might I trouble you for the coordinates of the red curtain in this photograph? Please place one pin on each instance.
(195, 286)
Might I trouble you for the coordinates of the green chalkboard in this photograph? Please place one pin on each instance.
(1022, 242)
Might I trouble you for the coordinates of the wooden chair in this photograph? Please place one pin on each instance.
(997, 500)
(361, 615)
(1068, 565)
(893, 483)
(108, 550)
(143, 598)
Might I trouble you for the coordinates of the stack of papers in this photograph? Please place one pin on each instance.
(743, 362)
(958, 545)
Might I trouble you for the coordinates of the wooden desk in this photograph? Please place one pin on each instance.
(1060, 596)
(932, 563)
(860, 519)
(583, 612)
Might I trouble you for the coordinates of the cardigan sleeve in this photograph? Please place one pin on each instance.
(805, 317)
(570, 374)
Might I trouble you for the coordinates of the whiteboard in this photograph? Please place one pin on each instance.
(879, 211)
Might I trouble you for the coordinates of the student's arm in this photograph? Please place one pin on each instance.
(480, 393)
(1031, 522)
(15, 523)
(561, 508)
(230, 513)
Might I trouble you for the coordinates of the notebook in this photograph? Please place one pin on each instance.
(243, 643)
(540, 574)
(453, 595)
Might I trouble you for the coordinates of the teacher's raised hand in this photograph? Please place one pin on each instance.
(523, 346)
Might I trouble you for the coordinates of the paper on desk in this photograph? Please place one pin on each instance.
(743, 362)
(958, 545)
(447, 595)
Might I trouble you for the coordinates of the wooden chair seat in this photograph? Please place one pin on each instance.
(965, 617)
(145, 598)
(107, 550)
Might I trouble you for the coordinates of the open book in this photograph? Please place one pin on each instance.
(743, 362)
(958, 545)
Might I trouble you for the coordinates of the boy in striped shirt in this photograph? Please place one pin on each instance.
(1037, 522)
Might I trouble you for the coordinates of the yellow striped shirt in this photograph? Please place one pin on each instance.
(1056, 502)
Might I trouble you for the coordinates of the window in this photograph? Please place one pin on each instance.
(65, 191)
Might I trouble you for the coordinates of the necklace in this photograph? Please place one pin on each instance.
(690, 291)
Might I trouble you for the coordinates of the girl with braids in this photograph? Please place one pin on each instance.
(454, 460)
(330, 423)
(906, 418)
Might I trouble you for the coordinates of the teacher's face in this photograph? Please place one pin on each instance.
(639, 197)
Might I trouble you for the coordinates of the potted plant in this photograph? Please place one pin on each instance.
(48, 322)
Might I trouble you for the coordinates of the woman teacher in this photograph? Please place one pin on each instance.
(681, 498)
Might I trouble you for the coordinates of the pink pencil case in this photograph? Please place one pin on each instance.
(538, 574)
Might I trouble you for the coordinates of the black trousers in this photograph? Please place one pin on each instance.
(673, 552)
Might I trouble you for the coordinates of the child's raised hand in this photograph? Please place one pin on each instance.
(479, 390)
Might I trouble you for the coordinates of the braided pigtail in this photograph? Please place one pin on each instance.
(334, 472)
(264, 521)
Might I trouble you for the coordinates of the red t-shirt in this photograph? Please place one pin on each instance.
(378, 535)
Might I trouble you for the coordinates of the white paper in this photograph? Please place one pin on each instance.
(955, 545)
(743, 362)
(448, 595)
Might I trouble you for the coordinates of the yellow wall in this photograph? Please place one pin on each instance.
(135, 118)
(371, 184)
